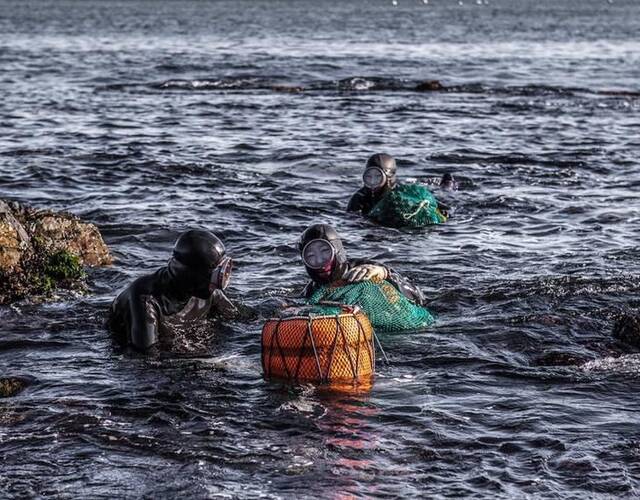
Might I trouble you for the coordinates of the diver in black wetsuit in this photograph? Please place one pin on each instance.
(326, 261)
(188, 289)
(379, 178)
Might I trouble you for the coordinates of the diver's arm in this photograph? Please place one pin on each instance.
(144, 323)
(356, 203)
(222, 306)
(404, 286)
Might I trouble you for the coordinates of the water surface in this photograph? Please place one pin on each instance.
(254, 119)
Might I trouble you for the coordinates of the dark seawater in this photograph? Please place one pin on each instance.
(149, 117)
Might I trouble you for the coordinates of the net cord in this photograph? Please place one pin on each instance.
(304, 343)
(354, 370)
(333, 348)
(266, 367)
(315, 352)
(370, 346)
(384, 354)
(422, 204)
(282, 357)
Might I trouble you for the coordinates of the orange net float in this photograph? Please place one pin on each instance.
(334, 349)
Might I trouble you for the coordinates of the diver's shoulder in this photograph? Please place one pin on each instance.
(357, 200)
(363, 192)
(146, 284)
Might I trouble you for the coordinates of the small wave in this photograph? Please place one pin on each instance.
(171, 67)
(563, 286)
(280, 83)
(555, 161)
(30, 345)
(624, 365)
(17, 152)
(215, 84)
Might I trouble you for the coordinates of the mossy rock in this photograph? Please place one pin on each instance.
(45, 274)
(41, 251)
(63, 265)
(11, 386)
(63, 232)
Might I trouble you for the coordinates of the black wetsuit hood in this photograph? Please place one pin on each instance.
(329, 234)
(195, 255)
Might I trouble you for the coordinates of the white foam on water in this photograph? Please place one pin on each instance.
(628, 364)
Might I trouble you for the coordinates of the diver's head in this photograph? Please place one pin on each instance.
(448, 182)
(380, 173)
(199, 265)
(322, 253)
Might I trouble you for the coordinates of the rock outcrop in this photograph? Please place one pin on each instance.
(14, 240)
(10, 386)
(627, 329)
(429, 86)
(41, 250)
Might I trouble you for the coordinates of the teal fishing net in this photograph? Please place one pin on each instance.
(408, 205)
(387, 308)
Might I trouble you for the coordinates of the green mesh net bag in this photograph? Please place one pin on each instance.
(408, 205)
(387, 308)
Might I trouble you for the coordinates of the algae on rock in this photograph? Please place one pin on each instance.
(41, 251)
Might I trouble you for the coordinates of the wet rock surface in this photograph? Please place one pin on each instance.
(627, 329)
(558, 358)
(429, 86)
(42, 250)
(14, 240)
(11, 386)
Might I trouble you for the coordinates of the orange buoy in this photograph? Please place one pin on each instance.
(334, 349)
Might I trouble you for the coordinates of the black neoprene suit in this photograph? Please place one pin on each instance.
(175, 297)
(151, 309)
(363, 200)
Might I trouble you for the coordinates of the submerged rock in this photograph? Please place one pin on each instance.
(287, 88)
(627, 329)
(42, 250)
(558, 358)
(11, 386)
(429, 86)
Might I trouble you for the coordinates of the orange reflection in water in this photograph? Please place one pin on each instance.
(351, 435)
